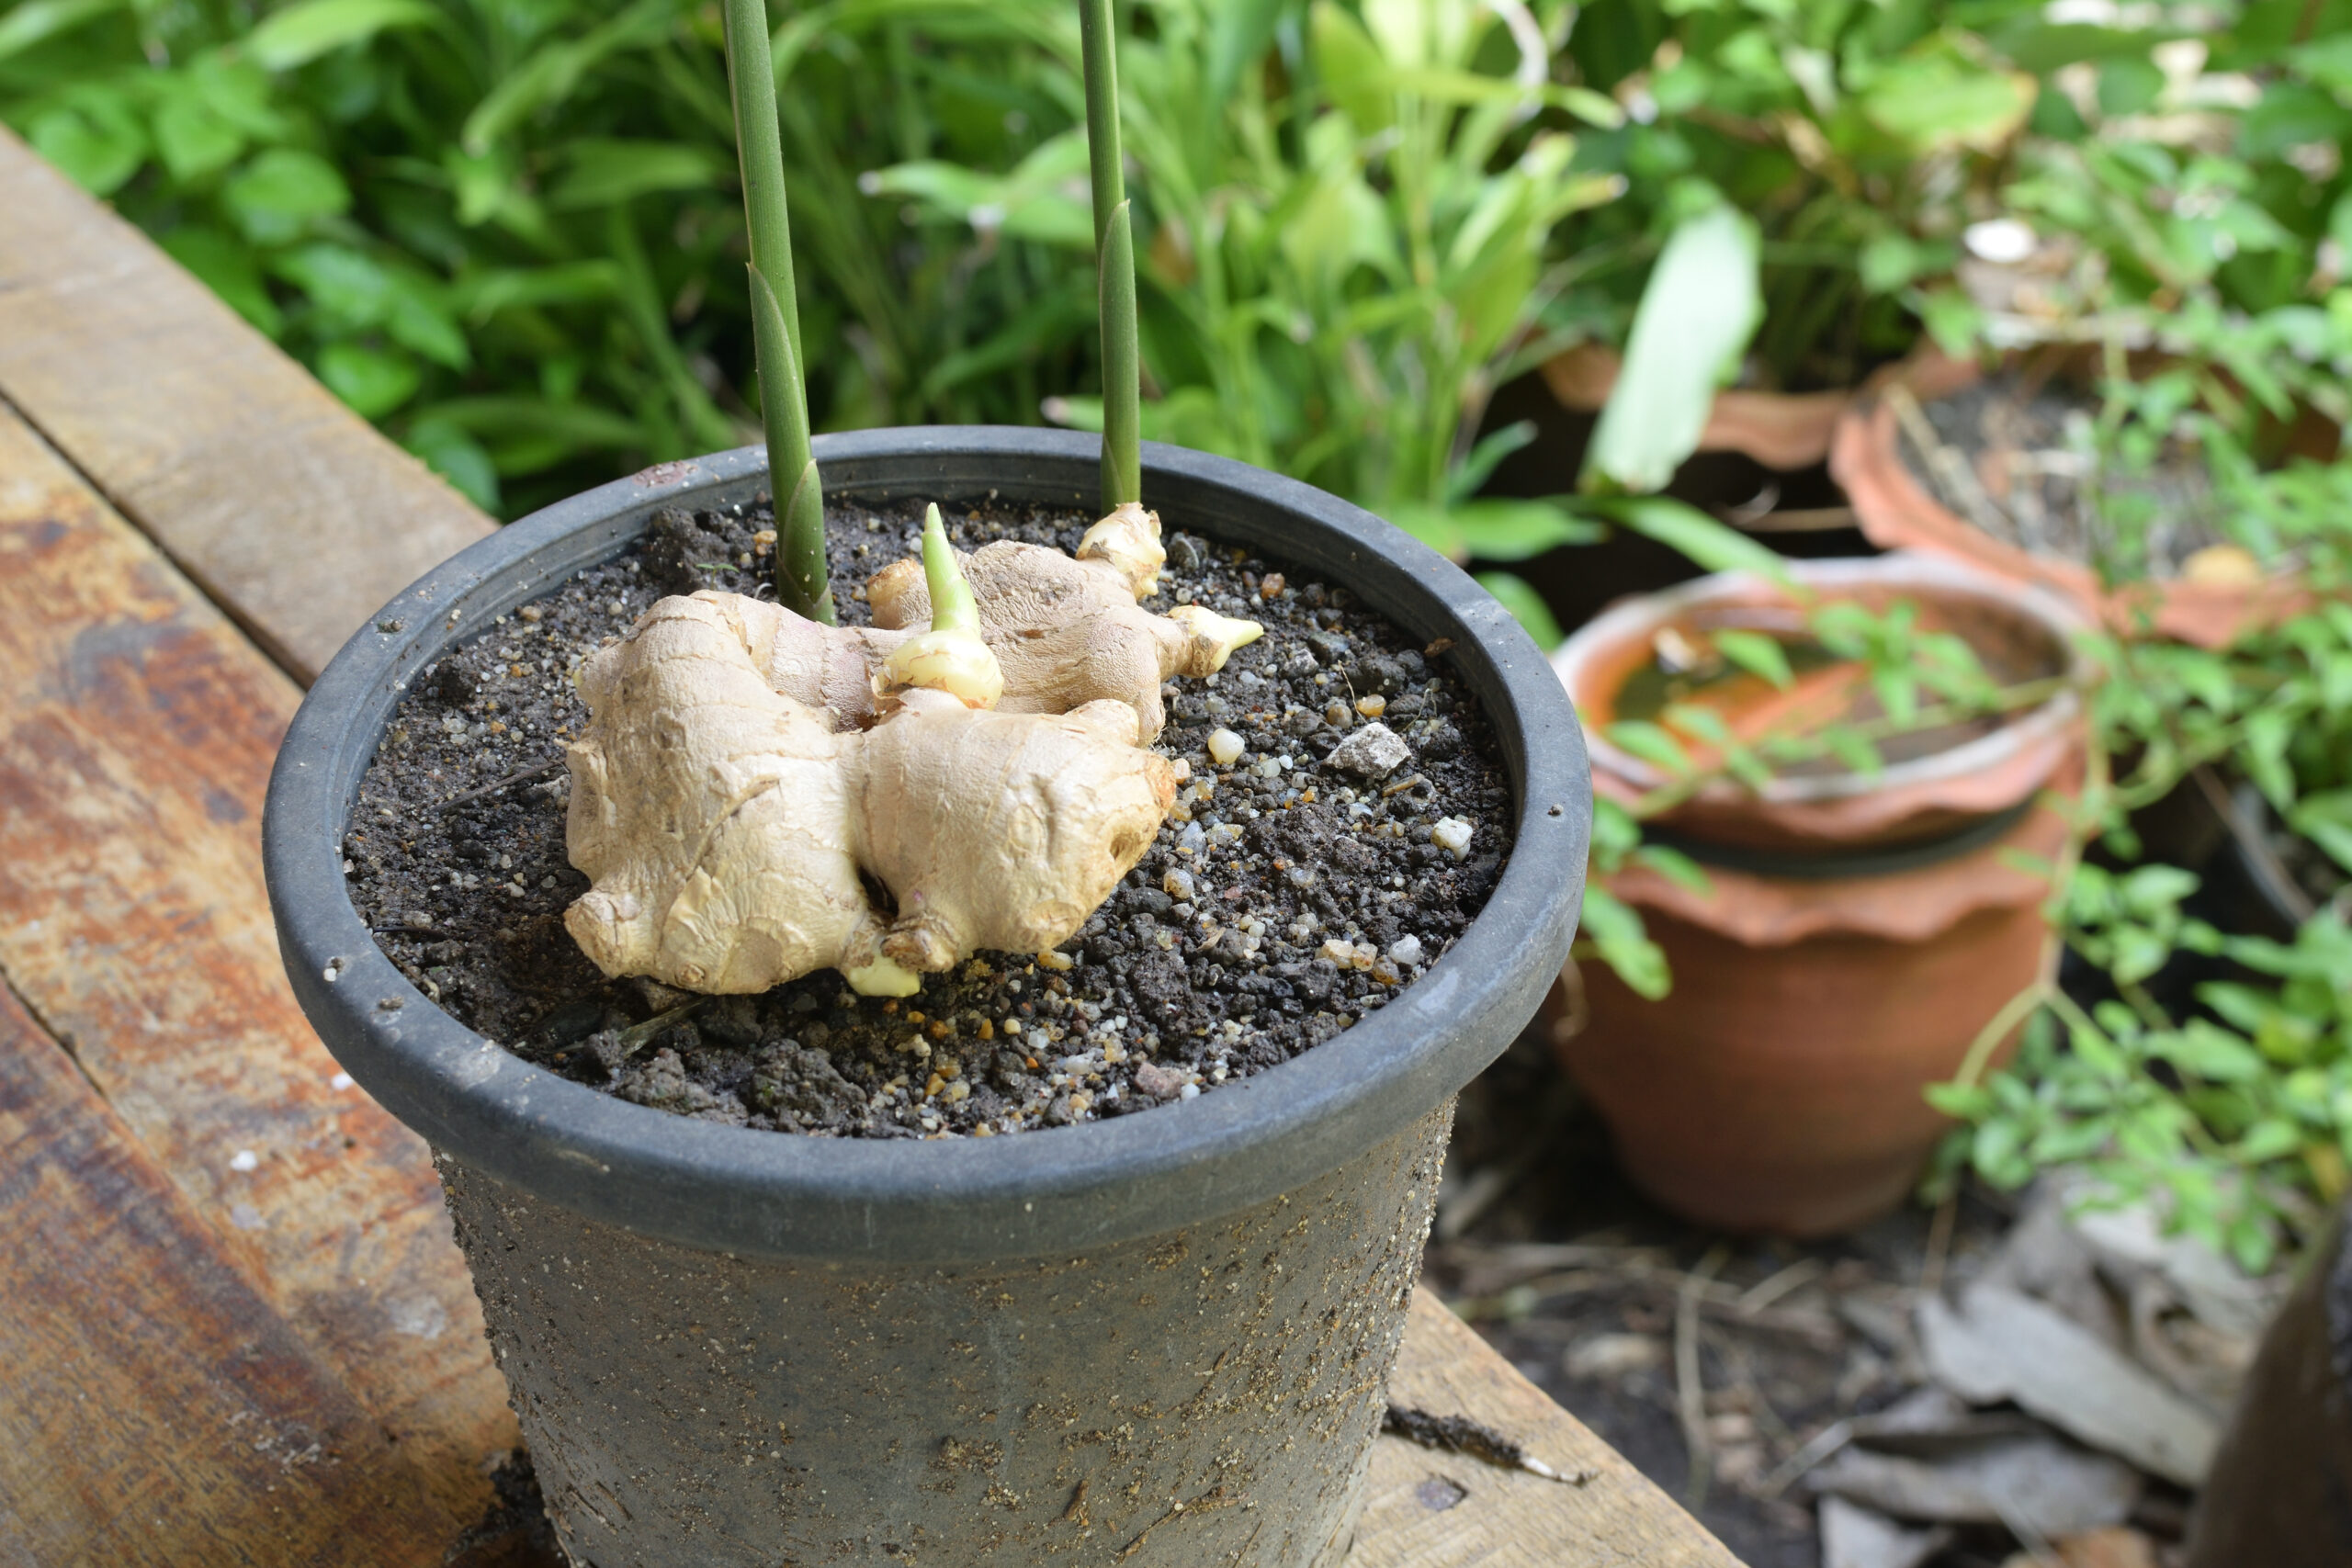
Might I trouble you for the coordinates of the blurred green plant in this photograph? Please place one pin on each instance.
(2235, 1112)
(510, 235)
(1343, 222)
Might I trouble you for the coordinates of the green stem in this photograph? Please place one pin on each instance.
(1114, 256)
(801, 577)
(952, 608)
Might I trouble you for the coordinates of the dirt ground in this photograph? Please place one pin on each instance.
(1605, 1302)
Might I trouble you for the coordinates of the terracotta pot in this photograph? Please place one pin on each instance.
(1897, 512)
(1780, 430)
(1856, 933)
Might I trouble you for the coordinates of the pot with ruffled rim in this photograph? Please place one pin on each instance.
(1163, 1336)
(1856, 931)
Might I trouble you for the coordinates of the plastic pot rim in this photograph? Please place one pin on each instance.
(736, 1189)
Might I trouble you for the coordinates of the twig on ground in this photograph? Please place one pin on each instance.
(534, 770)
(1824, 1443)
(1931, 1269)
(1763, 1294)
(1690, 1391)
(1461, 1435)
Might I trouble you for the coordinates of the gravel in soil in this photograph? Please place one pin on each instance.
(1296, 887)
(2014, 461)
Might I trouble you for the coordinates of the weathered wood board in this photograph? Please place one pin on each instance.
(1434, 1509)
(137, 728)
(294, 514)
(157, 1412)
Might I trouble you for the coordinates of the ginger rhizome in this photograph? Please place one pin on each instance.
(1064, 631)
(745, 773)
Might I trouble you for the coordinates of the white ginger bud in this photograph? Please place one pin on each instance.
(951, 657)
(1066, 632)
(1213, 638)
(1129, 540)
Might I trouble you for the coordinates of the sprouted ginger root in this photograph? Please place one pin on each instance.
(728, 820)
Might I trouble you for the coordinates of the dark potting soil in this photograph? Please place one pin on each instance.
(2014, 464)
(1285, 898)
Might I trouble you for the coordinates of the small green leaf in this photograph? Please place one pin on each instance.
(301, 33)
(1674, 866)
(457, 456)
(226, 267)
(374, 381)
(1697, 313)
(1756, 653)
(1526, 607)
(599, 172)
(1651, 743)
(1615, 930)
(37, 21)
(281, 192)
(1508, 530)
(94, 140)
(1716, 546)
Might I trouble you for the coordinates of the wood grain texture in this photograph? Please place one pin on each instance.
(155, 1411)
(294, 514)
(136, 727)
(1508, 1518)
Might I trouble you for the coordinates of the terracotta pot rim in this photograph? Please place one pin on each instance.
(2049, 724)
(1897, 512)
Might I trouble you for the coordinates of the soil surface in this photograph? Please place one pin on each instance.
(1288, 894)
(2014, 461)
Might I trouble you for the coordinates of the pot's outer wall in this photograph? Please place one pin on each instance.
(687, 1407)
(1042, 1192)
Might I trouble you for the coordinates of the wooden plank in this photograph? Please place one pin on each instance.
(293, 514)
(1431, 1509)
(155, 1410)
(137, 728)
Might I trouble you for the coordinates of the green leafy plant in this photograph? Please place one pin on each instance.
(1343, 223)
(509, 235)
(2231, 1108)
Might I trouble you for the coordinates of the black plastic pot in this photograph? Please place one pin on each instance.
(2280, 1494)
(1163, 1336)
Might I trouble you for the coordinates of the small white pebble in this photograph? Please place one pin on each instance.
(1192, 1091)
(1406, 950)
(1184, 769)
(1224, 747)
(1012, 1027)
(1373, 752)
(1338, 949)
(341, 1081)
(617, 608)
(1178, 885)
(245, 1159)
(1451, 833)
